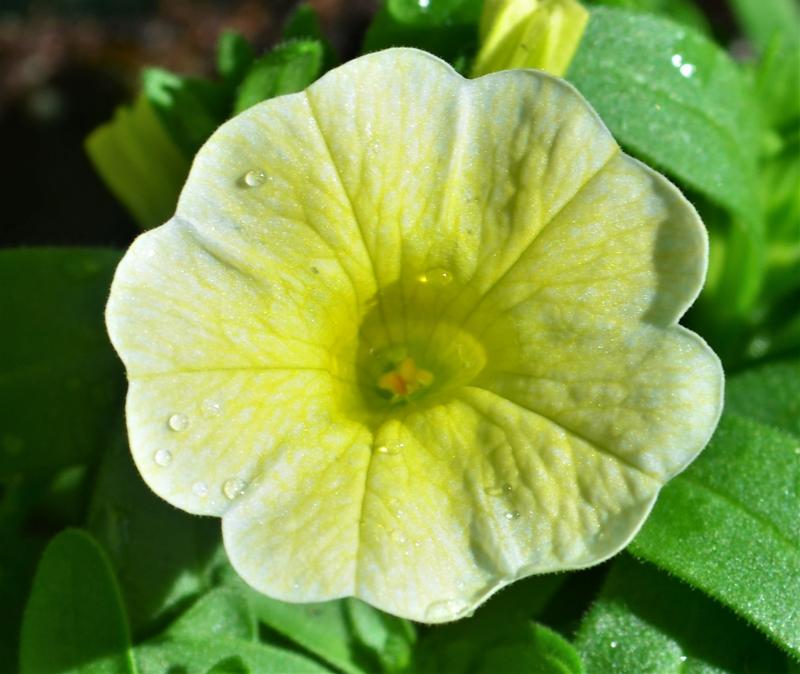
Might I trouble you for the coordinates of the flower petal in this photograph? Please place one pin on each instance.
(628, 247)
(650, 397)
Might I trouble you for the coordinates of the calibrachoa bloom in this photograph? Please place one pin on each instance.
(414, 337)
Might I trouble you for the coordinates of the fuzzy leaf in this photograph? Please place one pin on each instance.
(728, 525)
(288, 68)
(75, 620)
(161, 555)
(234, 57)
(190, 108)
(769, 394)
(645, 621)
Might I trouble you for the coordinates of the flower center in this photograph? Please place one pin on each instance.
(404, 380)
(410, 352)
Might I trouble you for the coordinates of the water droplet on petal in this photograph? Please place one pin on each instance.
(233, 488)
(162, 457)
(512, 515)
(687, 69)
(210, 407)
(677, 60)
(614, 644)
(683, 658)
(254, 178)
(507, 488)
(440, 611)
(391, 449)
(435, 278)
(200, 489)
(178, 422)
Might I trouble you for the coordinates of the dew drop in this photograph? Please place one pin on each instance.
(683, 658)
(614, 644)
(200, 489)
(210, 408)
(439, 611)
(162, 457)
(685, 69)
(178, 422)
(512, 515)
(390, 450)
(398, 537)
(233, 488)
(435, 278)
(507, 488)
(254, 178)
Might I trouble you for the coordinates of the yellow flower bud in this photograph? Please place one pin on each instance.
(529, 34)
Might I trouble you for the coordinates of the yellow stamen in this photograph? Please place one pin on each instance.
(405, 379)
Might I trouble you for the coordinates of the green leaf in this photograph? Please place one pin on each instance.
(139, 162)
(728, 525)
(645, 621)
(75, 620)
(769, 394)
(60, 381)
(447, 28)
(288, 68)
(322, 628)
(391, 639)
(189, 108)
(501, 623)
(304, 24)
(682, 11)
(162, 555)
(218, 633)
(534, 649)
(234, 57)
(167, 655)
(676, 100)
(786, 341)
(234, 665)
(221, 613)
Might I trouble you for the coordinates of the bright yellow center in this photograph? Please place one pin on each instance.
(405, 379)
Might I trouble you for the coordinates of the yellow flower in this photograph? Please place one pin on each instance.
(541, 34)
(414, 337)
